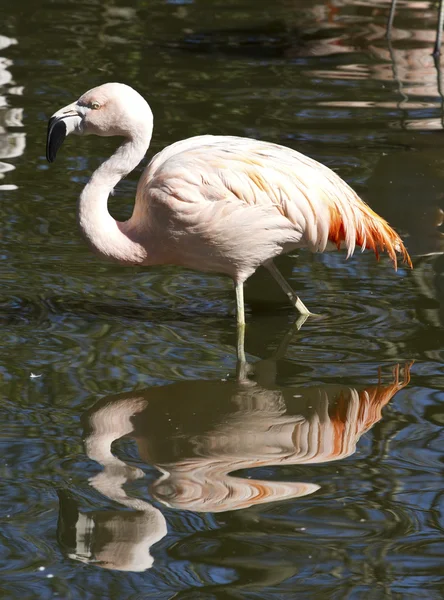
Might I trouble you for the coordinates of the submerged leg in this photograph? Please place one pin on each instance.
(289, 292)
(390, 19)
(242, 367)
(437, 49)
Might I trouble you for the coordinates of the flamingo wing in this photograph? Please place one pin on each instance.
(242, 172)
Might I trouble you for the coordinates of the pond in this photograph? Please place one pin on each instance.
(134, 463)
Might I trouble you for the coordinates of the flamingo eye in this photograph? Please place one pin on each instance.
(95, 105)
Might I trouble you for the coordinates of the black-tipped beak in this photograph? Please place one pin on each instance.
(57, 133)
(65, 121)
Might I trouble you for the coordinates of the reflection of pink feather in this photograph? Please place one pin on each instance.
(200, 453)
(197, 458)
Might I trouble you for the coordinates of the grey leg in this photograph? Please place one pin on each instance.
(289, 292)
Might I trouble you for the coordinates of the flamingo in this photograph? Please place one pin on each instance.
(438, 40)
(212, 203)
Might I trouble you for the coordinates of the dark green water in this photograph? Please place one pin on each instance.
(322, 478)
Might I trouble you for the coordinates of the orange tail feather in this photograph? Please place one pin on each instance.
(372, 232)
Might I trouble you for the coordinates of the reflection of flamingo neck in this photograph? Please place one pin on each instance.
(109, 424)
(127, 543)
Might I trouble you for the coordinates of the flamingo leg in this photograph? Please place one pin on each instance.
(240, 310)
(240, 313)
(288, 290)
(437, 48)
(241, 343)
(243, 368)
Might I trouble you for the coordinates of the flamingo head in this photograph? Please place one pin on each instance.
(111, 109)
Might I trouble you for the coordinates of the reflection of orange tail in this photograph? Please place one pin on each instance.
(371, 402)
(372, 232)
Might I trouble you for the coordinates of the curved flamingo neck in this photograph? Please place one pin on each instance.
(107, 237)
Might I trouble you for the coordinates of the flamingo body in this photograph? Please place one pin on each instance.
(230, 204)
(212, 203)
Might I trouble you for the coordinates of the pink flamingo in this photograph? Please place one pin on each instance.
(213, 203)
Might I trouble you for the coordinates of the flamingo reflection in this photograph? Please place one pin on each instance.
(198, 434)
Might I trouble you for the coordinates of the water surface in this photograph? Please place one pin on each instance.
(134, 464)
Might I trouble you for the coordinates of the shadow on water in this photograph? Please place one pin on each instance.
(273, 41)
(260, 42)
